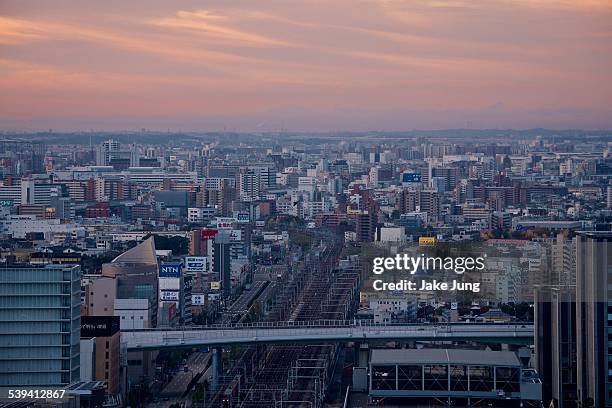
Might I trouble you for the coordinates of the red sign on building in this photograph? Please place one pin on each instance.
(209, 233)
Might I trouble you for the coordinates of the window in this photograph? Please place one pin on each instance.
(435, 377)
(508, 379)
(458, 378)
(409, 377)
(481, 378)
(383, 377)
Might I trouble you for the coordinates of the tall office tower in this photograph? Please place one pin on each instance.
(248, 184)
(38, 151)
(222, 261)
(40, 325)
(555, 343)
(594, 353)
(106, 151)
(225, 198)
(609, 197)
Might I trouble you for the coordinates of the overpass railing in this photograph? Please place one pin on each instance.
(328, 323)
(155, 338)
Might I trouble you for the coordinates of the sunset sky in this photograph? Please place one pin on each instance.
(305, 65)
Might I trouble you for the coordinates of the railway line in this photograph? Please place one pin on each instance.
(291, 375)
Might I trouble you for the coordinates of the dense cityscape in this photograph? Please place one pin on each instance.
(306, 204)
(169, 269)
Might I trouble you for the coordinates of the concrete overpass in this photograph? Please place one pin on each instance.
(322, 332)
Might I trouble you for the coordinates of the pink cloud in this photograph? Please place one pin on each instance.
(372, 56)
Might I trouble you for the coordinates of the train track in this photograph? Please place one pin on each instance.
(296, 375)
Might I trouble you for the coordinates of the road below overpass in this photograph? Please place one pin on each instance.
(317, 333)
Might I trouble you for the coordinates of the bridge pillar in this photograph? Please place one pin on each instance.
(362, 354)
(217, 367)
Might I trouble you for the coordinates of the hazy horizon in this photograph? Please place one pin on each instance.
(308, 65)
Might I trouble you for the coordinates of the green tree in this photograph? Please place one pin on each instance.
(178, 245)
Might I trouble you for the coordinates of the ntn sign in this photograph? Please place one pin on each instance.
(170, 270)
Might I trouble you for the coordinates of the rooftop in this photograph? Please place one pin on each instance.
(444, 356)
(143, 253)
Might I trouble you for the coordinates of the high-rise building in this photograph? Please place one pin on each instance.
(594, 317)
(171, 287)
(555, 344)
(222, 262)
(564, 260)
(201, 240)
(107, 151)
(426, 200)
(197, 246)
(40, 325)
(449, 175)
(106, 336)
(365, 227)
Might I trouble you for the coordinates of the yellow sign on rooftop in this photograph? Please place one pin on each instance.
(427, 241)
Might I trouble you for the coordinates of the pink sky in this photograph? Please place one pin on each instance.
(305, 64)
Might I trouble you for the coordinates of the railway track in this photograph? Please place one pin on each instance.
(295, 375)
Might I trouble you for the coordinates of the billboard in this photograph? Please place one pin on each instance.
(235, 235)
(243, 217)
(225, 222)
(411, 178)
(207, 234)
(195, 264)
(169, 283)
(427, 241)
(169, 295)
(170, 270)
(99, 326)
(198, 300)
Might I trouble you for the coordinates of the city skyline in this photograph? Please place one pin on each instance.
(306, 203)
(310, 66)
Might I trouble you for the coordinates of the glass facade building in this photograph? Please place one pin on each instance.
(40, 325)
